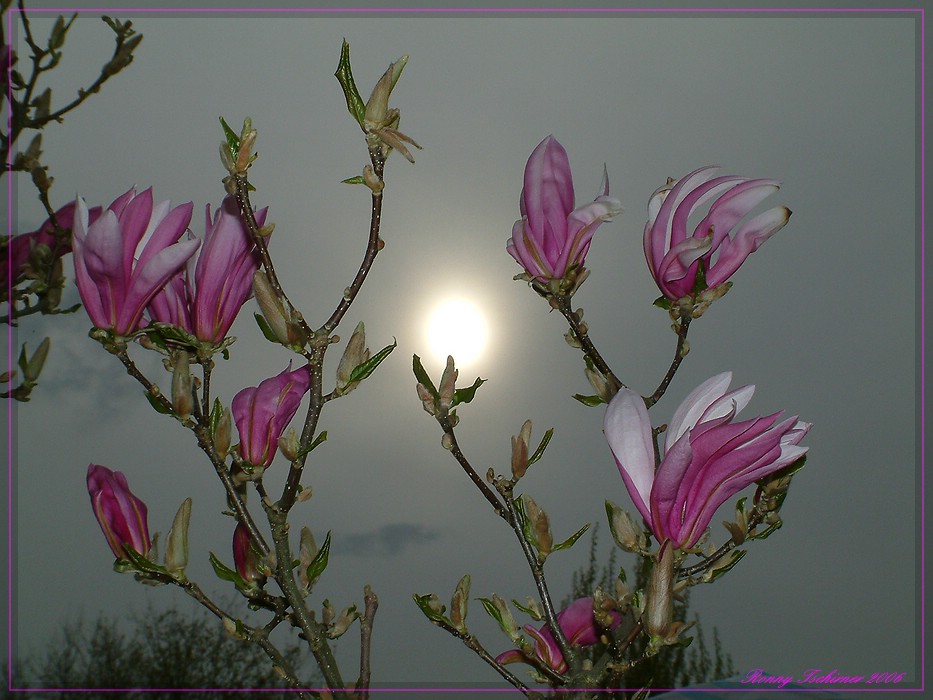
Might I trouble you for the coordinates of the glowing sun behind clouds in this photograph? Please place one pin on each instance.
(457, 327)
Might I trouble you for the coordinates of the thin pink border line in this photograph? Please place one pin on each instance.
(478, 10)
(919, 10)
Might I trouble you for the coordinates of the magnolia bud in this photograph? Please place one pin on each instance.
(377, 108)
(355, 354)
(289, 444)
(271, 306)
(428, 401)
(458, 604)
(520, 451)
(181, 386)
(307, 551)
(343, 622)
(222, 434)
(625, 532)
(448, 384)
(176, 546)
(541, 527)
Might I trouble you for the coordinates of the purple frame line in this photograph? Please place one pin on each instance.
(483, 10)
(667, 10)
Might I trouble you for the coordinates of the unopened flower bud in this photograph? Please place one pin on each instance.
(372, 182)
(34, 366)
(328, 612)
(520, 451)
(448, 384)
(343, 622)
(246, 559)
(222, 434)
(245, 154)
(377, 108)
(182, 398)
(176, 547)
(541, 527)
(307, 551)
(503, 615)
(289, 445)
(271, 306)
(428, 401)
(625, 532)
(458, 604)
(447, 441)
(355, 354)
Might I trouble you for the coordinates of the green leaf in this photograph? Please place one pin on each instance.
(523, 521)
(422, 376)
(140, 563)
(344, 75)
(233, 140)
(225, 573)
(493, 611)
(466, 395)
(588, 400)
(572, 540)
(266, 329)
(319, 563)
(360, 372)
(541, 447)
(528, 611)
(770, 530)
(317, 441)
(662, 302)
(357, 180)
(217, 412)
(737, 556)
(424, 603)
(156, 405)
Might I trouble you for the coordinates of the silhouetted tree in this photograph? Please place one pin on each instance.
(163, 650)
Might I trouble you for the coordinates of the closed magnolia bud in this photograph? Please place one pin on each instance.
(541, 526)
(355, 354)
(625, 532)
(458, 604)
(428, 401)
(182, 398)
(448, 384)
(176, 548)
(271, 306)
(377, 107)
(289, 444)
(34, 367)
(222, 434)
(520, 451)
(307, 551)
(343, 622)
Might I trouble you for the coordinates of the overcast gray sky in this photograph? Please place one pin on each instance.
(823, 319)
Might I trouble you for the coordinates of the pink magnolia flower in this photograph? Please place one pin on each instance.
(17, 248)
(674, 253)
(707, 458)
(125, 257)
(206, 296)
(552, 236)
(122, 516)
(262, 413)
(579, 627)
(245, 558)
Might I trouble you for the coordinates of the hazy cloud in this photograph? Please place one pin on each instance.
(388, 539)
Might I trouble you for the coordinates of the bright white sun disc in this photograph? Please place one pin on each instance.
(457, 328)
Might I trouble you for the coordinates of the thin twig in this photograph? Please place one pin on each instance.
(682, 327)
(370, 603)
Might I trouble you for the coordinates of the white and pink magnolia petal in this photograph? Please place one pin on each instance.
(525, 252)
(663, 237)
(87, 288)
(714, 189)
(730, 208)
(170, 227)
(133, 221)
(148, 279)
(692, 408)
(675, 275)
(628, 432)
(746, 241)
(666, 502)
